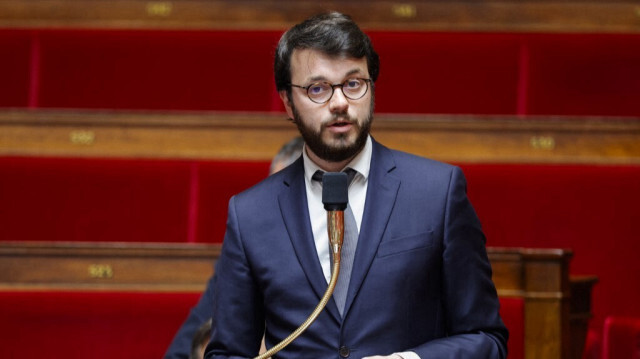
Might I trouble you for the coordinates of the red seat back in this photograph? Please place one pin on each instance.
(94, 324)
(621, 339)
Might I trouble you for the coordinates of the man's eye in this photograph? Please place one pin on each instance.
(317, 89)
(352, 84)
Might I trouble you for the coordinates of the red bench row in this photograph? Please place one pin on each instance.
(123, 325)
(56, 199)
(90, 324)
(96, 324)
(589, 209)
(421, 72)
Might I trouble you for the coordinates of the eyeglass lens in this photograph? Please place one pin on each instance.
(352, 89)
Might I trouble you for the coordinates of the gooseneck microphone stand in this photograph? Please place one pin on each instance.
(335, 198)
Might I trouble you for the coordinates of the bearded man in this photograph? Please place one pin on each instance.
(418, 281)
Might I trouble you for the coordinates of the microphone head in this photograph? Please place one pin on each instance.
(335, 195)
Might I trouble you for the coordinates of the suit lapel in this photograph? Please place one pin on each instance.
(382, 191)
(295, 214)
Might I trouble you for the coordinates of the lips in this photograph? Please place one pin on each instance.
(340, 126)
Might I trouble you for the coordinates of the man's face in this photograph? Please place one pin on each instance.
(337, 130)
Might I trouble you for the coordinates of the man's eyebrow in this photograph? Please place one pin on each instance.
(317, 78)
(354, 71)
(323, 78)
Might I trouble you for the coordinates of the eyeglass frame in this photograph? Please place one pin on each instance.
(333, 89)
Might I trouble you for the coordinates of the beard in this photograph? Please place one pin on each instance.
(343, 149)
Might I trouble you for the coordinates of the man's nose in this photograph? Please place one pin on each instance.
(338, 103)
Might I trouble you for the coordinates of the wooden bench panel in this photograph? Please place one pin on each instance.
(565, 16)
(258, 136)
(106, 266)
(538, 277)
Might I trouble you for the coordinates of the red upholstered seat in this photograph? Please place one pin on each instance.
(95, 324)
(587, 208)
(421, 71)
(15, 60)
(177, 70)
(621, 338)
(93, 200)
(512, 313)
(121, 200)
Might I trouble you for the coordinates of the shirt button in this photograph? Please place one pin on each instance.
(344, 352)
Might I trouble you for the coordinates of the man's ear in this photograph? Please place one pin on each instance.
(286, 102)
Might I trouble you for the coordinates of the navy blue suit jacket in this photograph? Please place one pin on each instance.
(421, 279)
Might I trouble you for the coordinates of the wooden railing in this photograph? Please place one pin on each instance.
(106, 266)
(488, 15)
(258, 136)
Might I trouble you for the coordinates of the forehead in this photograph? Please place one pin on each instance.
(313, 65)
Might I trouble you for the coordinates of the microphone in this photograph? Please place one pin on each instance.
(335, 196)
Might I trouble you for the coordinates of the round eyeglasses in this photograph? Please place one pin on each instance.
(321, 92)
